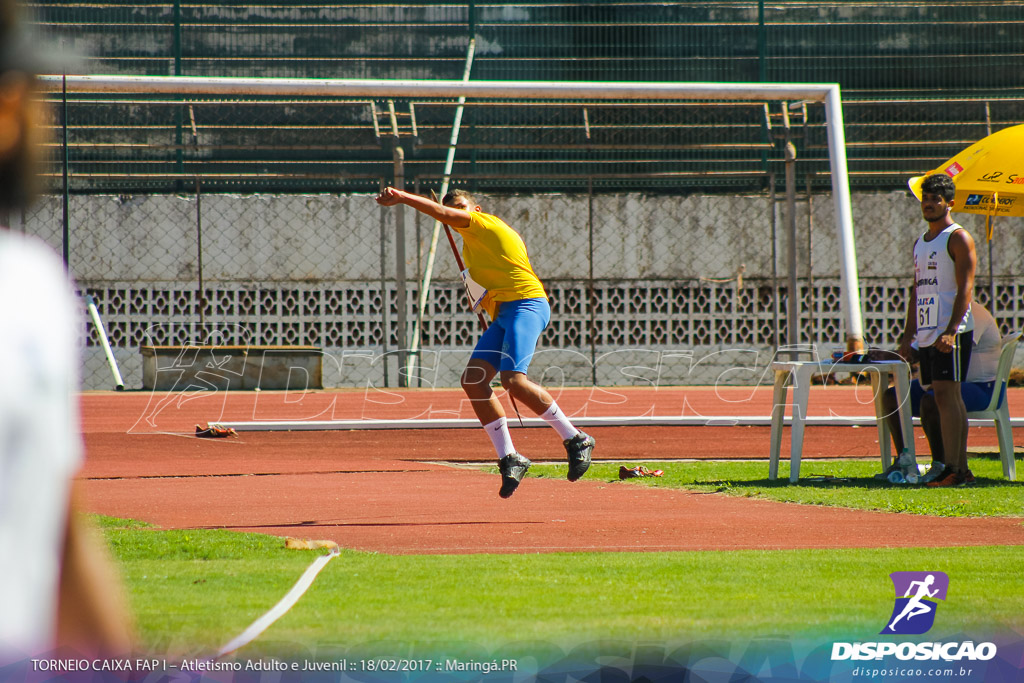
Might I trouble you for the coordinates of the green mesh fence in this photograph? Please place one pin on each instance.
(920, 81)
(869, 46)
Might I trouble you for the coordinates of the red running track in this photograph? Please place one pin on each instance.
(403, 491)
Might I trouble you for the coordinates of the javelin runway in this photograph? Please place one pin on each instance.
(409, 491)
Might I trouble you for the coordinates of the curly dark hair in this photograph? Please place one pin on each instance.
(940, 184)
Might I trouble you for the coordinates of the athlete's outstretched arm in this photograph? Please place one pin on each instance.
(457, 218)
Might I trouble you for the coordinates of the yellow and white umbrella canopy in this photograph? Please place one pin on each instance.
(989, 175)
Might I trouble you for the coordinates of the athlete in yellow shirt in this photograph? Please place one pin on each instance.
(496, 258)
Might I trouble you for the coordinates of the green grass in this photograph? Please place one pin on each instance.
(194, 587)
(837, 483)
(192, 591)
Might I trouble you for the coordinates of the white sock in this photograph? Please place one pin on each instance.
(557, 419)
(502, 440)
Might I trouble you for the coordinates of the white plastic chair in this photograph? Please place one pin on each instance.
(998, 408)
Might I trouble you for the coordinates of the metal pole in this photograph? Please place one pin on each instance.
(200, 298)
(385, 88)
(775, 259)
(988, 220)
(400, 293)
(177, 37)
(66, 208)
(592, 294)
(811, 308)
(416, 340)
(762, 44)
(793, 300)
(101, 332)
(384, 298)
(844, 220)
(176, 46)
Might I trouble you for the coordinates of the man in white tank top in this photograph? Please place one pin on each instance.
(939, 319)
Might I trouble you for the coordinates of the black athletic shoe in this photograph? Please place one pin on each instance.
(578, 448)
(513, 467)
(936, 471)
(967, 479)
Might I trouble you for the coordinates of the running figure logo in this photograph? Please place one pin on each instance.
(916, 595)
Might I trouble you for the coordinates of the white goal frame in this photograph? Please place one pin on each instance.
(827, 93)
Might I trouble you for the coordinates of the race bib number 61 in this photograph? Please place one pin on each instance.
(927, 313)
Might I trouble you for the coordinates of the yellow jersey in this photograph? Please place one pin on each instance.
(496, 258)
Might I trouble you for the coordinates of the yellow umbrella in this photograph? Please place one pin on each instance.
(989, 175)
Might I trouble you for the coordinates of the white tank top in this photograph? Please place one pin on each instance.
(40, 447)
(935, 277)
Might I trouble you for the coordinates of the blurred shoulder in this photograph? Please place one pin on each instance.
(24, 252)
(34, 283)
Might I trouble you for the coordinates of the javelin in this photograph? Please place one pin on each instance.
(479, 315)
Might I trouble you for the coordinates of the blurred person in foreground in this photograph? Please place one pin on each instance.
(57, 587)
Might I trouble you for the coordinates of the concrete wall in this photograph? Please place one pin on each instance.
(284, 238)
(136, 245)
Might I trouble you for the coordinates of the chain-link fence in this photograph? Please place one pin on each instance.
(644, 288)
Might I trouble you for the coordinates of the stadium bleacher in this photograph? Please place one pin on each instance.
(920, 81)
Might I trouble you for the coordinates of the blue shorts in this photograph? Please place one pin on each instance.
(976, 395)
(509, 342)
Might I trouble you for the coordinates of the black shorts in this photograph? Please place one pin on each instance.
(936, 365)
